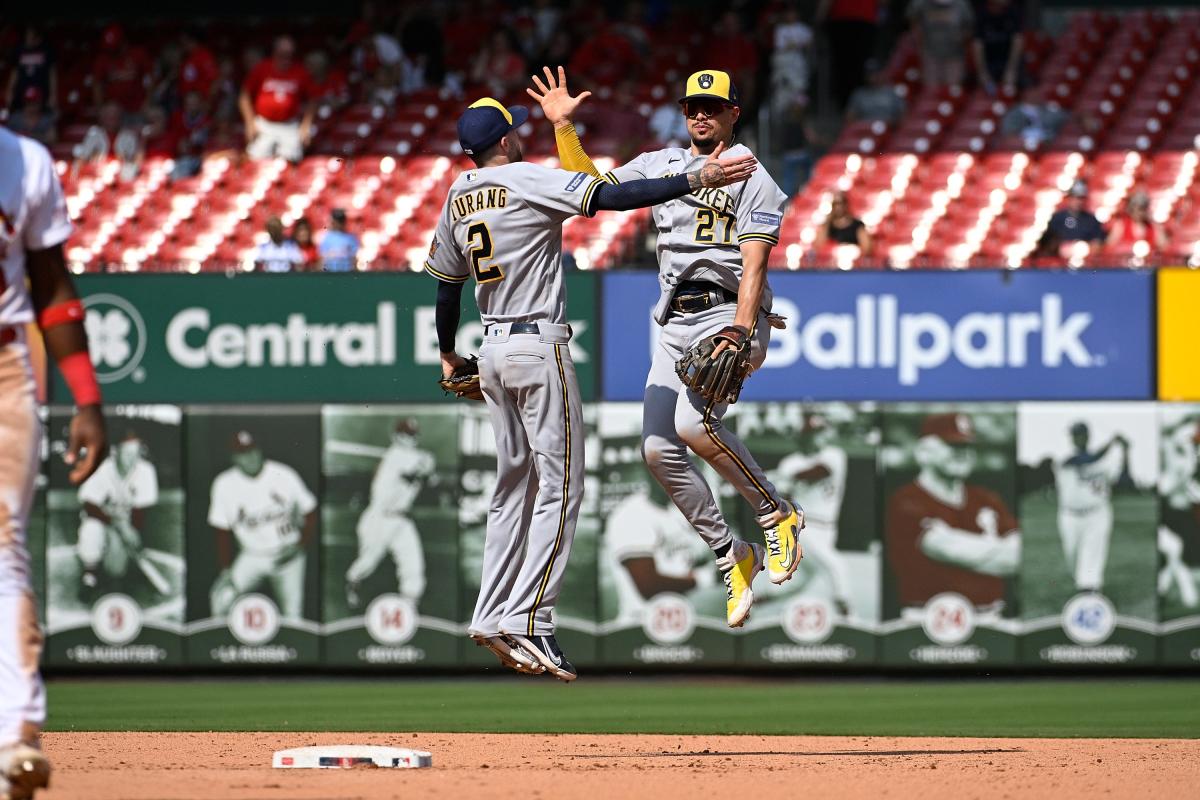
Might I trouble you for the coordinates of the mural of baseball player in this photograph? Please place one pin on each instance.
(1179, 509)
(1084, 482)
(114, 502)
(944, 533)
(266, 506)
(385, 525)
(649, 548)
(815, 476)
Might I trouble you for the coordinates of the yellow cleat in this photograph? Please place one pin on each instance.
(784, 551)
(738, 568)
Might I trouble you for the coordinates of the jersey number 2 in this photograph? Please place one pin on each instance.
(706, 222)
(479, 242)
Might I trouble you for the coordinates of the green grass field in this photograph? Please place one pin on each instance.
(1036, 708)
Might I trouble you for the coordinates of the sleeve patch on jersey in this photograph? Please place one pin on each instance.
(433, 248)
(576, 181)
(763, 218)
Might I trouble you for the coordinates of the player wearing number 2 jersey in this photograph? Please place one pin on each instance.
(502, 224)
(267, 507)
(33, 227)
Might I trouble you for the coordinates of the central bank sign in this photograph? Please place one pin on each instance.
(925, 336)
(282, 339)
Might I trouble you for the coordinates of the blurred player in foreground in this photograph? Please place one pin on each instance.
(713, 246)
(502, 224)
(33, 227)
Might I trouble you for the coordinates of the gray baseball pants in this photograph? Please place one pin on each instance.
(676, 419)
(529, 384)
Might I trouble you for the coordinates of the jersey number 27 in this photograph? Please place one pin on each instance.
(479, 250)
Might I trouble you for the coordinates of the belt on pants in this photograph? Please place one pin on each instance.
(691, 297)
(522, 327)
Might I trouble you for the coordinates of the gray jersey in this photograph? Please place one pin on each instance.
(504, 226)
(700, 234)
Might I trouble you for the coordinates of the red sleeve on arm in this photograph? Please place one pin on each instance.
(254, 80)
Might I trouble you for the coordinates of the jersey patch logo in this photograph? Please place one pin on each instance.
(705, 81)
(763, 218)
(577, 181)
(472, 176)
(433, 247)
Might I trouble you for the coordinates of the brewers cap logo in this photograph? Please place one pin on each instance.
(705, 81)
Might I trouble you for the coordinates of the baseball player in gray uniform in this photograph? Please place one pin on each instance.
(712, 249)
(502, 224)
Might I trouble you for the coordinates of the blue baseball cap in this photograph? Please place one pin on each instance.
(485, 121)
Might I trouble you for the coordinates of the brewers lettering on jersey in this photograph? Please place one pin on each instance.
(1085, 514)
(713, 246)
(502, 224)
(267, 507)
(35, 286)
(943, 534)
(385, 527)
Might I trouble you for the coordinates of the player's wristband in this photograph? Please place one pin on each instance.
(62, 313)
(77, 371)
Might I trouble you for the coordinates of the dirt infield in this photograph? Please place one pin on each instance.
(233, 766)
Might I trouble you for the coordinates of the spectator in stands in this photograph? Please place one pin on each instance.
(669, 126)
(620, 123)
(198, 71)
(226, 91)
(122, 73)
(1033, 119)
(851, 27)
(193, 127)
(1136, 225)
(943, 31)
(159, 139)
(604, 58)
(302, 235)
(110, 138)
(737, 55)
(790, 67)
(1072, 223)
(329, 86)
(998, 45)
(277, 253)
(794, 139)
(499, 66)
(33, 120)
(33, 68)
(878, 100)
(339, 248)
(276, 105)
(842, 227)
(424, 48)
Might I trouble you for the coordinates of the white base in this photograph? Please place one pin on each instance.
(348, 756)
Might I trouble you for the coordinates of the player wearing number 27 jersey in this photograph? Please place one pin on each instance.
(502, 224)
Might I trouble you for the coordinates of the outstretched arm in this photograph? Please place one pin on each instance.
(558, 105)
(715, 173)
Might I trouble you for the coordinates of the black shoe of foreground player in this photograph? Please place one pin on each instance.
(546, 650)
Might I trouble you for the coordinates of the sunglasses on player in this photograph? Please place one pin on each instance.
(710, 108)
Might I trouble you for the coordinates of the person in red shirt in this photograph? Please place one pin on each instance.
(943, 534)
(122, 72)
(852, 27)
(1134, 226)
(605, 58)
(276, 105)
(329, 85)
(302, 235)
(198, 72)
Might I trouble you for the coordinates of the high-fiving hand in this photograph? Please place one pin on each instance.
(557, 103)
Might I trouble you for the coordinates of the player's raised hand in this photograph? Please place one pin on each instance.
(557, 103)
(721, 171)
(87, 443)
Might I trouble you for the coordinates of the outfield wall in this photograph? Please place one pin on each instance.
(319, 369)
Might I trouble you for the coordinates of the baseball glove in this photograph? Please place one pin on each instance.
(464, 381)
(717, 378)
